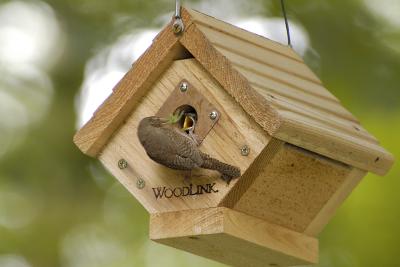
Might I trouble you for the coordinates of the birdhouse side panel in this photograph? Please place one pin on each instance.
(298, 189)
(160, 189)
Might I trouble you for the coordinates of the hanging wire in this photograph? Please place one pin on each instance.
(286, 23)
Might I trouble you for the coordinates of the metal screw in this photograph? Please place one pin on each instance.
(178, 27)
(184, 87)
(213, 115)
(122, 164)
(245, 150)
(140, 183)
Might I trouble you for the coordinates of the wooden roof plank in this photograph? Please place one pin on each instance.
(221, 69)
(333, 122)
(306, 133)
(267, 82)
(239, 33)
(246, 49)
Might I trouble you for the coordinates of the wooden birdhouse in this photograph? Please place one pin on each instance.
(258, 107)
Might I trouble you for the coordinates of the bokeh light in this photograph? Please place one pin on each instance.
(387, 10)
(13, 260)
(91, 246)
(106, 68)
(29, 34)
(16, 210)
(30, 43)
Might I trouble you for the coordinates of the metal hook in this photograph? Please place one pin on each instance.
(286, 23)
(178, 26)
(178, 9)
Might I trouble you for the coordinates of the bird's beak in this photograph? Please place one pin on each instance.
(188, 123)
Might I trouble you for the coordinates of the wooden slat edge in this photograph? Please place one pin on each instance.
(219, 220)
(287, 106)
(237, 32)
(279, 238)
(110, 115)
(252, 173)
(358, 153)
(221, 69)
(237, 45)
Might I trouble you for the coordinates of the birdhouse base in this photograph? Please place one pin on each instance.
(233, 238)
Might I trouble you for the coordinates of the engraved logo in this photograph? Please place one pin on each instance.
(183, 191)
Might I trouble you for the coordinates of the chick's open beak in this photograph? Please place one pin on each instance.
(188, 123)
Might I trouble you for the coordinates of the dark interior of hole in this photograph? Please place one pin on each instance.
(187, 110)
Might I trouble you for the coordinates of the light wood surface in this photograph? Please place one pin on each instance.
(283, 65)
(293, 187)
(126, 94)
(252, 175)
(195, 100)
(221, 69)
(295, 91)
(268, 80)
(260, 41)
(330, 207)
(233, 238)
(233, 130)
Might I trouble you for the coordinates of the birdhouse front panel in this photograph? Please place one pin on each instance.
(161, 189)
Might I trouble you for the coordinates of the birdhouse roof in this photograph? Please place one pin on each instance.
(269, 80)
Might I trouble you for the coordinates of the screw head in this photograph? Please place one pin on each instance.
(177, 27)
(122, 164)
(140, 183)
(184, 87)
(245, 150)
(213, 115)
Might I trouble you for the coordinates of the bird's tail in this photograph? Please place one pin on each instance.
(228, 171)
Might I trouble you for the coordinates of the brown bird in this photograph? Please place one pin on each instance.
(167, 144)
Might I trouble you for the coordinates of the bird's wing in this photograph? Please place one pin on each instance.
(171, 148)
(183, 146)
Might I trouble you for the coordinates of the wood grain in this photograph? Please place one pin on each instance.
(233, 238)
(348, 137)
(195, 100)
(239, 33)
(126, 94)
(319, 117)
(252, 174)
(233, 130)
(306, 133)
(221, 69)
(293, 188)
(329, 209)
(229, 45)
(275, 88)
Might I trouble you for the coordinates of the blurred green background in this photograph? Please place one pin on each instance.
(61, 208)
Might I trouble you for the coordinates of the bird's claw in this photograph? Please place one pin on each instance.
(227, 179)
